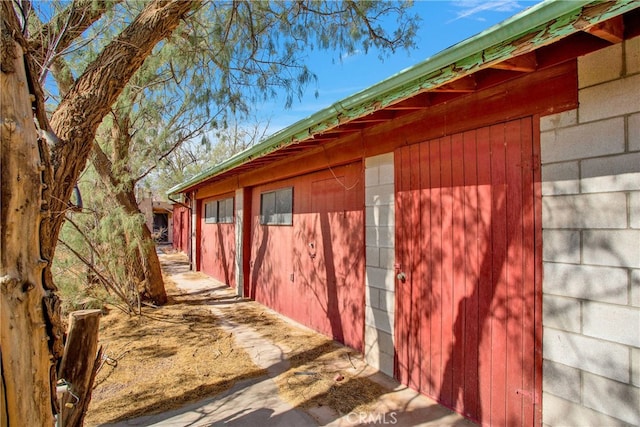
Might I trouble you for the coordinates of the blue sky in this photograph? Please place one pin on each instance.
(444, 23)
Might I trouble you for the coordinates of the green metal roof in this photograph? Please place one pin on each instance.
(544, 23)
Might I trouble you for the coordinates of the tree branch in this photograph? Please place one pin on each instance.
(56, 36)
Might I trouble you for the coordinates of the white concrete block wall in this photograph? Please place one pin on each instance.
(380, 249)
(591, 246)
(239, 229)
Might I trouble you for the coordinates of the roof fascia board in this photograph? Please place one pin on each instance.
(545, 22)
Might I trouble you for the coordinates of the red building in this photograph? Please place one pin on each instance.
(414, 221)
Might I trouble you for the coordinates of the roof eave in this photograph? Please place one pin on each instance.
(546, 22)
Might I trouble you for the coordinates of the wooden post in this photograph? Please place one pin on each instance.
(77, 366)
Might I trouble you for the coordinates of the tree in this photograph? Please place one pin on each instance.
(155, 113)
(249, 48)
(195, 155)
(30, 305)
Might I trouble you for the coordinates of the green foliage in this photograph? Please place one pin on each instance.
(98, 260)
(76, 292)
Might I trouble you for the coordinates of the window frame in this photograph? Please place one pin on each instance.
(276, 214)
(210, 212)
(213, 211)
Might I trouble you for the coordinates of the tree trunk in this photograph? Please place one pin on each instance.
(148, 258)
(26, 360)
(154, 282)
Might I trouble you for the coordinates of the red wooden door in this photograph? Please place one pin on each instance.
(466, 239)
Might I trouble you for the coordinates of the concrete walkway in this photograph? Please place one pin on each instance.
(256, 402)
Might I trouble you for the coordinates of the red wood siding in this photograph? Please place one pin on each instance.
(313, 271)
(181, 228)
(217, 252)
(466, 237)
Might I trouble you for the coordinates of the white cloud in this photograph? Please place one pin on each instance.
(471, 8)
(349, 55)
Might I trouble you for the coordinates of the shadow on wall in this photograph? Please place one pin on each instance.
(260, 234)
(313, 270)
(222, 255)
(590, 256)
(329, 265)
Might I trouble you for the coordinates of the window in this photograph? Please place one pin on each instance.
(219, 211)
(276, 207)
(225, 210)
(211, 212)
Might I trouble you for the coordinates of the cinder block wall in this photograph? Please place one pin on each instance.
(239, 229)
(380, 249)
(591, 246)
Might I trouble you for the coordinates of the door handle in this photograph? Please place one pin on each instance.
(402, 276)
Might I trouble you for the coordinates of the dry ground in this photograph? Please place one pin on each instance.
(162, 360)
(178, 353)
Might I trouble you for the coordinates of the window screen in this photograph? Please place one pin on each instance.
(276, 207)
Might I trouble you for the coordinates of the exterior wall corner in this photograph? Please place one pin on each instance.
(379, 244)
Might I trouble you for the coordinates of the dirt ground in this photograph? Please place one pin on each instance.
(178, 353)
(163, 359)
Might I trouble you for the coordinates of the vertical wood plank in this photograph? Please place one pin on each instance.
(471, 276)
(403, 290)
(426, 383)
(459, 292)
(414, 279)
(499, 252)
(533, 272)
(447, 207)
(485, 273)
(514, 267)
(435, 263)
(77, 365)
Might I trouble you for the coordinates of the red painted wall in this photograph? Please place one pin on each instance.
(217, 251)
(181, 228)
(313, 270)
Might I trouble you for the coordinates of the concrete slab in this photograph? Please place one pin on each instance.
(256, 402)
(249, 403)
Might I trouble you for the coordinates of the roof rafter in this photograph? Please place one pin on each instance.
(526, 63)
(464, 84)
(378, 116)
(611, 30)
(417, 102)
